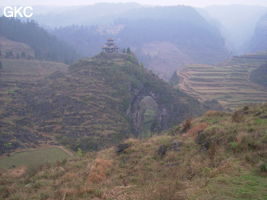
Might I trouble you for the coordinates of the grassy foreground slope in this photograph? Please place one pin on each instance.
(218, 156)
(230, 83)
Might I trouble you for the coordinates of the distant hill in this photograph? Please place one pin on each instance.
(96, 103)
(237, 29)
(259, 75)
(259, 39)
(163, 38)
(45, 45)
(238, 81)
(87, 40)
(99, 13)
(167, 38)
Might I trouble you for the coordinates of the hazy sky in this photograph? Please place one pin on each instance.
(147, 2)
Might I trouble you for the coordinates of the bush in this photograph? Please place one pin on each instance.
(263, 167)
(237, 117)
(99, 170)
(234, 146)
(197, 129)
(186, 125)
(213, 113)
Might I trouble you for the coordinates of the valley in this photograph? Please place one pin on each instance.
(129, 101)
(164, 39)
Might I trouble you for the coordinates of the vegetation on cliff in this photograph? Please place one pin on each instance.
(96, 103)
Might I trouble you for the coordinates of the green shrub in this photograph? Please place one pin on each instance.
(234, 146)
(263, 167)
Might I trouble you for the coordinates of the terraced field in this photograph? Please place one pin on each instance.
(229, 83)
(94, 104)
(33, 158)
(16, 76)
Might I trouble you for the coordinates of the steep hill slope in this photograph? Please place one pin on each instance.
(232, 83)
(236, 29)
(16, 127)
(98, 102)
(217, 156)
(259, 75)
(259, 39)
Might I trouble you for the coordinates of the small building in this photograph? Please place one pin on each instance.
(110, 47)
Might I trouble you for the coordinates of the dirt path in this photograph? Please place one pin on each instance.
(70, 153)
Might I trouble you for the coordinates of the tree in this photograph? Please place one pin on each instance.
(128, 50)
(23, 55)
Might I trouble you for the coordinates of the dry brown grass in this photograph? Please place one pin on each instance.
(17, 172)
(140, 174)
(70, 176)
(237, 117)
(212, 113)
(241, 136)
(170, 190)
(98, 170)
(194, 131)
(225, 167)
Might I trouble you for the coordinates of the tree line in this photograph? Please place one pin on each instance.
(45, 45)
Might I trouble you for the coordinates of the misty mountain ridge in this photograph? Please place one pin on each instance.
(100, 13)
(109, 126)
(235, 22)
(259, 40)
(154, 33)
(45, 45)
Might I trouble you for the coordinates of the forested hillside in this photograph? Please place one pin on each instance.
(259, 75)
(45, 46)
(259, 39)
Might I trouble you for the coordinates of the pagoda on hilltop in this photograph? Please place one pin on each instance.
(110, 47)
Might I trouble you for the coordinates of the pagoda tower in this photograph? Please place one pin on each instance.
(110, 47)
